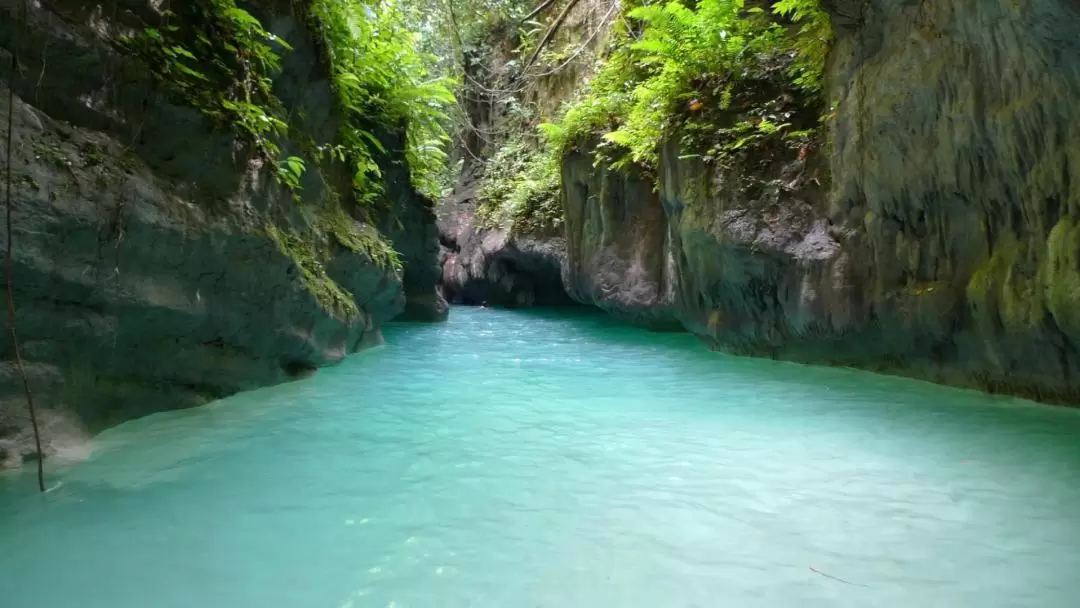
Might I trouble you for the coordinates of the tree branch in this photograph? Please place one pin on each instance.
(550, 34)
(536, 11)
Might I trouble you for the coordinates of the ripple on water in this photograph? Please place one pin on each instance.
(540, 459)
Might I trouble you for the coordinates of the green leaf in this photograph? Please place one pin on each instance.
(296, 165)
(179, 50)
(371, 138)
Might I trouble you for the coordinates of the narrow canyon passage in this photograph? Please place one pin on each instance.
(232, 232)
(557, 459)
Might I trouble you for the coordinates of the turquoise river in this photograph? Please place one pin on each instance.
(559, 460)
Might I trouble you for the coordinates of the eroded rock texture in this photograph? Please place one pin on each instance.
(619, 258)
(938, 235)
(495, 266)
(956, 163)
(144, 274)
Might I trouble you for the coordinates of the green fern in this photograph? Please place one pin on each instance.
(218, 58)
(668, 55)
(814, 40)
(383, 80)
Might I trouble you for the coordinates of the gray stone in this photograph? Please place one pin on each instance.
(496, 266)
(938, 237)
(144, 277)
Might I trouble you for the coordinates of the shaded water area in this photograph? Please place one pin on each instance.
(540, 459)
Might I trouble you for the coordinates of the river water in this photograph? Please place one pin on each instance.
(536, 459)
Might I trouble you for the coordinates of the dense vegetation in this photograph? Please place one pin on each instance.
(669, 62)
(718, 74)
(705, 72)
(219, 58)
(385, 81)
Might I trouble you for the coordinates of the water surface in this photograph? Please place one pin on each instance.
(535, 459)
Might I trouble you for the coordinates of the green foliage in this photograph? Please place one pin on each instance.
(761, 119)
(289, 173)
(678, 66)
(218, 58)
(813, 40)
(520, 189)
(723, 76)
(382, 79)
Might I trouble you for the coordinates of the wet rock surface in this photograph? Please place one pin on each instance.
(494, 266)
(144, 275)
(936, 236)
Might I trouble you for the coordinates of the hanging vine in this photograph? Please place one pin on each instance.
(9, 205)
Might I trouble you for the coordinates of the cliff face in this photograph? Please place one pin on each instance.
(957, 150)
(487, 259)
(741, 255)
(495, 265)
(619, 255)
(947, 246)
(156, 263)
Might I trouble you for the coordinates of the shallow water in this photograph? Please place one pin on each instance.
(538, 459)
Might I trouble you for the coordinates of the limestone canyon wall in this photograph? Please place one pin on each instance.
(145, 272)
(935, 234)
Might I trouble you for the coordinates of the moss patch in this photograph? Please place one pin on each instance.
(1060, 274)
(330, 296)
(925, 289)
(985, 283)
(1021, 299)
(359, 237)
(1005, 289)
(330, 226)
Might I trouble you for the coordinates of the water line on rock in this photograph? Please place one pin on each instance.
(8, 203)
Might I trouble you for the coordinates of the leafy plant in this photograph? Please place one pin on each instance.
(218, 58)
(520, 189)
(383, 80)
(290, 172)
(678, 65)
(813, 40)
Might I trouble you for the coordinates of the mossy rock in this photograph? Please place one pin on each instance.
(330, 296)
(1059, 275)
(1005, 291)
(359, 237)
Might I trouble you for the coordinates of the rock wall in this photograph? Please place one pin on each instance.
(146, 272)
(939, 237)
(618, 248)
(496, 266)
(956, 158)
(411, 225)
